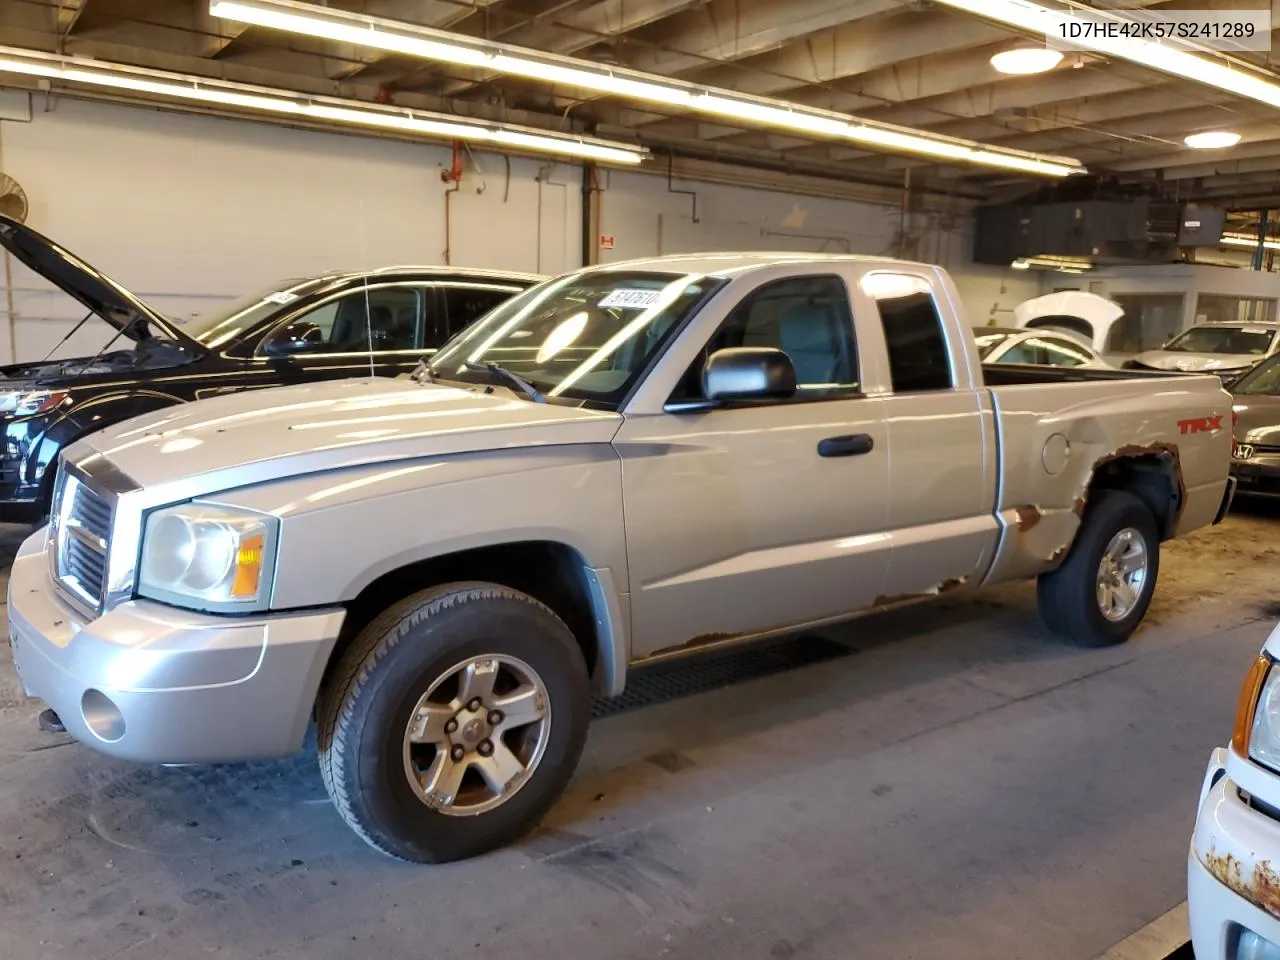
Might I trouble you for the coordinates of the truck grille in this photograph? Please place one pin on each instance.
(82, 536)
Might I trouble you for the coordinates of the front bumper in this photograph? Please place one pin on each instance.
(152, 683)
(1258, 477)
(1232, 880)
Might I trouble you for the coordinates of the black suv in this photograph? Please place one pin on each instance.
(348, 324)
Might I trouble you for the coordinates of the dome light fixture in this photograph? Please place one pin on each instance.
(1211, 140)
(1022, 61)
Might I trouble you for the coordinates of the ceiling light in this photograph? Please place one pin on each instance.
(1021, 264)
(1048, 22)
(1235, 240)
(1211, 140)
(330, 109)
(445, 47)
(1026, 60)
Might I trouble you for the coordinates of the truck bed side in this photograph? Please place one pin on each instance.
(1059, 442)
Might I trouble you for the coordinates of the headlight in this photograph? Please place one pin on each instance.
(208, 557)
(27, 403)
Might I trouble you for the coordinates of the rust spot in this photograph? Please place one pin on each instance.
(1262, 888)
(953, 584)
(1160, 449)
(1059, 553)
(889, 600)
(1078, 507)
(1026, 517)
(702, 640)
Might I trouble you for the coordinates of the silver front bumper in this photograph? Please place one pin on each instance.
(179, 687)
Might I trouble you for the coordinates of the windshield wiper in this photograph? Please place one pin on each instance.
(422, 372)
(521, 384)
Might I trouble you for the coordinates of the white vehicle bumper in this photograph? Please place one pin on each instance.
(152, 683)
(1233, 870)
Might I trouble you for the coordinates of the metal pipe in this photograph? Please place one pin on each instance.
(453, 177)
(1262, 239)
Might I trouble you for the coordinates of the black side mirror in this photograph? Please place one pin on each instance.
(748, 373)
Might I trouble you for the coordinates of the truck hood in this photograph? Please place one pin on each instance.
(1195, 362)
(258, 435)
(95, 290)
(1257, 419)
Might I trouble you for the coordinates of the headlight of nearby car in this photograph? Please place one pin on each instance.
(27, 403)
(208, 557)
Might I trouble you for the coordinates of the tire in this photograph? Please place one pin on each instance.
(380, 782)
(1070, 601)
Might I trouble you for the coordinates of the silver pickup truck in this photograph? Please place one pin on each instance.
(625, 464)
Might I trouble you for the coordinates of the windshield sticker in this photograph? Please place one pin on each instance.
(631, 299)
(282, 297)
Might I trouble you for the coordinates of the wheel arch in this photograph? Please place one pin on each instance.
(1152, 474)
(552, 572)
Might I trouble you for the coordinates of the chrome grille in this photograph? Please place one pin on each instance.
(81, 538)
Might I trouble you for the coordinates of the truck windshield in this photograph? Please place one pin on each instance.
(1262, 381)
(587, 336)
(227, 321)
(1223, 339)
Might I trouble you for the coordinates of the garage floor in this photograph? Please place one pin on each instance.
(953, 783)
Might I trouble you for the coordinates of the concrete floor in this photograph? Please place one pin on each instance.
(961, 786)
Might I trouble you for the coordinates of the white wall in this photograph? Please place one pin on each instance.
(644, 217)
(187, 210)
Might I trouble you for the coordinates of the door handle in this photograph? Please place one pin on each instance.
(854, 445)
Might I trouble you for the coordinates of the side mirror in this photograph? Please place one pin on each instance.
(748, 373)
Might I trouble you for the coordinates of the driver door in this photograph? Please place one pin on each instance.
(382, 327)
(762, 516)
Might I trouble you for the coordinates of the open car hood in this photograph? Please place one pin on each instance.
(98, 292)
(1096, 313)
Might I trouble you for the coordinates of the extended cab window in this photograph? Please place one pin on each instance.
(466, 303)
(913, 331)
(377, 318)
(807, 318)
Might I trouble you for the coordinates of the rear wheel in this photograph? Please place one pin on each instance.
(1101, 592)
(453, 722)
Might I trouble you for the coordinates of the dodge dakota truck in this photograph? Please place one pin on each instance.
(626, 464)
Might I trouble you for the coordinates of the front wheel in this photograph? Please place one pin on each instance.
(1101, 592)
(453, 722)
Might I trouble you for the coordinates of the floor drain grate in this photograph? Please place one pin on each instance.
(647, 686)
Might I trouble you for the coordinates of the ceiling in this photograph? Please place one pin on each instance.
(905, 63)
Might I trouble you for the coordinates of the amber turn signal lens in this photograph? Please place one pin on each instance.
(1247, 704)
(248, 566)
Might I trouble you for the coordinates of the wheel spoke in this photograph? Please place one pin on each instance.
(443, 779)
(520, 707)
(1106, 598)
(1133, 561)
(1119, 545)
(1126, 594)
(499, 769)
(477, 680)
(428, 723)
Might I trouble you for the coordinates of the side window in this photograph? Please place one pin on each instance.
(807, 318)
(465, 304)
(388, 317)
(913, 332)
(1064, 353)
(1027, 351)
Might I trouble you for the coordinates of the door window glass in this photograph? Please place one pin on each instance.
(807, 318)
(464, 304)
(913, 332)
(377, 318)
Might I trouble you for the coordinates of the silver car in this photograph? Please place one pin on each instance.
(1227, 349)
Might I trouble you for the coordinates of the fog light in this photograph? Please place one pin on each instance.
(101, 716)
(1250, 946)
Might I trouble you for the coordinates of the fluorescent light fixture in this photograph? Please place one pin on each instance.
(1211, 140)
(1021, 264)
(1235, 240)
(303, 106)
(1158, 55)
(1023, 61)
(445, 47)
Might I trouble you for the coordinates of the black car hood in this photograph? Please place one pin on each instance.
(98, 292)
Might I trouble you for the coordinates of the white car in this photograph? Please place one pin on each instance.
(1038, 347)
(1233, 869)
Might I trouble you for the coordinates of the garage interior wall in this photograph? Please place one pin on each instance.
(188, 210)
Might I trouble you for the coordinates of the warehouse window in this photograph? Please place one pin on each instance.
(913, 332)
